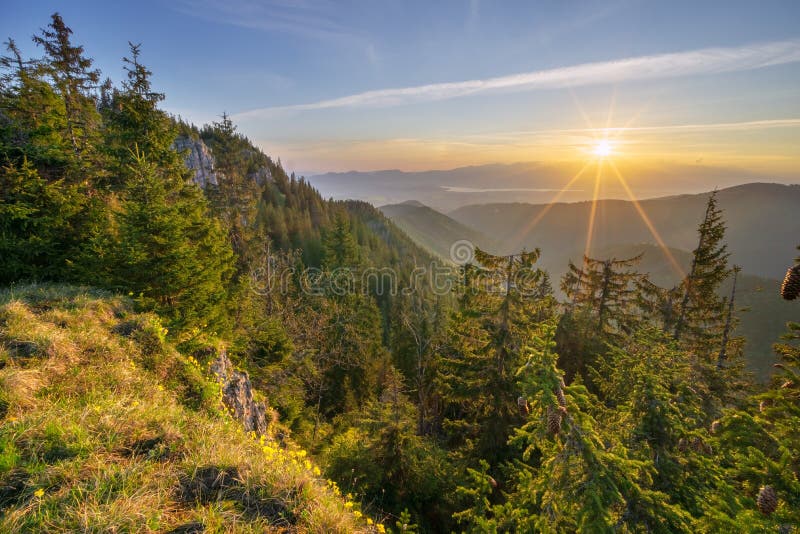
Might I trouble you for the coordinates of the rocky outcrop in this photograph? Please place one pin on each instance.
(198, 158)
(261, 176)
(237, 395)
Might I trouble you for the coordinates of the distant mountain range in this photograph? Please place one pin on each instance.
(533, 182)
(763, 230)
(763, 225)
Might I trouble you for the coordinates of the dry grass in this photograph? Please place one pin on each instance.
(107, 430)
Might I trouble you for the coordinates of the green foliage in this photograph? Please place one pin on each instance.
(494, 320)
(37, 223)
(490, 409)
(699, 313)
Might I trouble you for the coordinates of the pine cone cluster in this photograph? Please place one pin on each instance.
(767, 500)
(790, 289)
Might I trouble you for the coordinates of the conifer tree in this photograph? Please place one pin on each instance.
(603, 300)
(134, 124)
(33, 117)
(495, 317)
(571, 477)
(700, 310)
(37, 218)
(759, 448)
(170, 253)
(73, 79)
(606, 287)
(729, 321)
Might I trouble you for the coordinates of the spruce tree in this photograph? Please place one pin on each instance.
(606, 287)
(37, 218)
(74, 79)
(603, 308)
(134, 124)
(496, 315)
(171, 254)
(700, 311)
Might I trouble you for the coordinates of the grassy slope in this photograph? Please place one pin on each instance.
(107, 431)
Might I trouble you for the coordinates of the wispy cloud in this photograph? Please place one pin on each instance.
(696, 62)
(308, 18)
(699, 127)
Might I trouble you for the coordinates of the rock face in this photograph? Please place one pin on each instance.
(199, 159)
(261, 176)
(237, 395)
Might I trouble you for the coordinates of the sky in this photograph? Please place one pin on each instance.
(390, 84)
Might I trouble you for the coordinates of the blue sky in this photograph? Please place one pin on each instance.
(308, 80)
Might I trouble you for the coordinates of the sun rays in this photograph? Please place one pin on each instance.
(602, 148)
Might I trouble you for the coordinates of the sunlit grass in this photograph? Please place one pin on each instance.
(108, 429)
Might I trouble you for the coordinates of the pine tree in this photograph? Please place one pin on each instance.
(134, 125)
(37, 218)
(73, 78)
(496, 316)
(606, 287)
(700, 311)
(171, 254)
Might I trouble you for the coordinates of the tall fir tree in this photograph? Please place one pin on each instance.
(170, 253)
(74, 80)
(496, 315)
(700, 312)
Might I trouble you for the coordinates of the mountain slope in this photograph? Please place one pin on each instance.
(431, 229)
(762, 220)
(107, 428)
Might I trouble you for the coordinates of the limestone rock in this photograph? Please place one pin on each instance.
(237, 395)
(198, 158)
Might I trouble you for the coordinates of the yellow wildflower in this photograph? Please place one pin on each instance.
(39, 493)
(381, 528)
(348, 504)
(356, 513)
(369, 520)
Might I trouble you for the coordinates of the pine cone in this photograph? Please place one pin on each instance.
(553, 420)
(562, 400)
(698, 445)
(522, 404)
(767, 500)
(790, 289)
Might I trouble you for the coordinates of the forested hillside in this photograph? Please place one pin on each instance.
(395, 393)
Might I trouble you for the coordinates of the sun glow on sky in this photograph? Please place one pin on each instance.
(603, 148)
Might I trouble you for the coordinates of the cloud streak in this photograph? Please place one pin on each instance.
(700, 127)
(696, 62)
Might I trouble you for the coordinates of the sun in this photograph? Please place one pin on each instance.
(603, 148)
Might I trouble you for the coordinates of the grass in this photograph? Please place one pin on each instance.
(107, 428)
